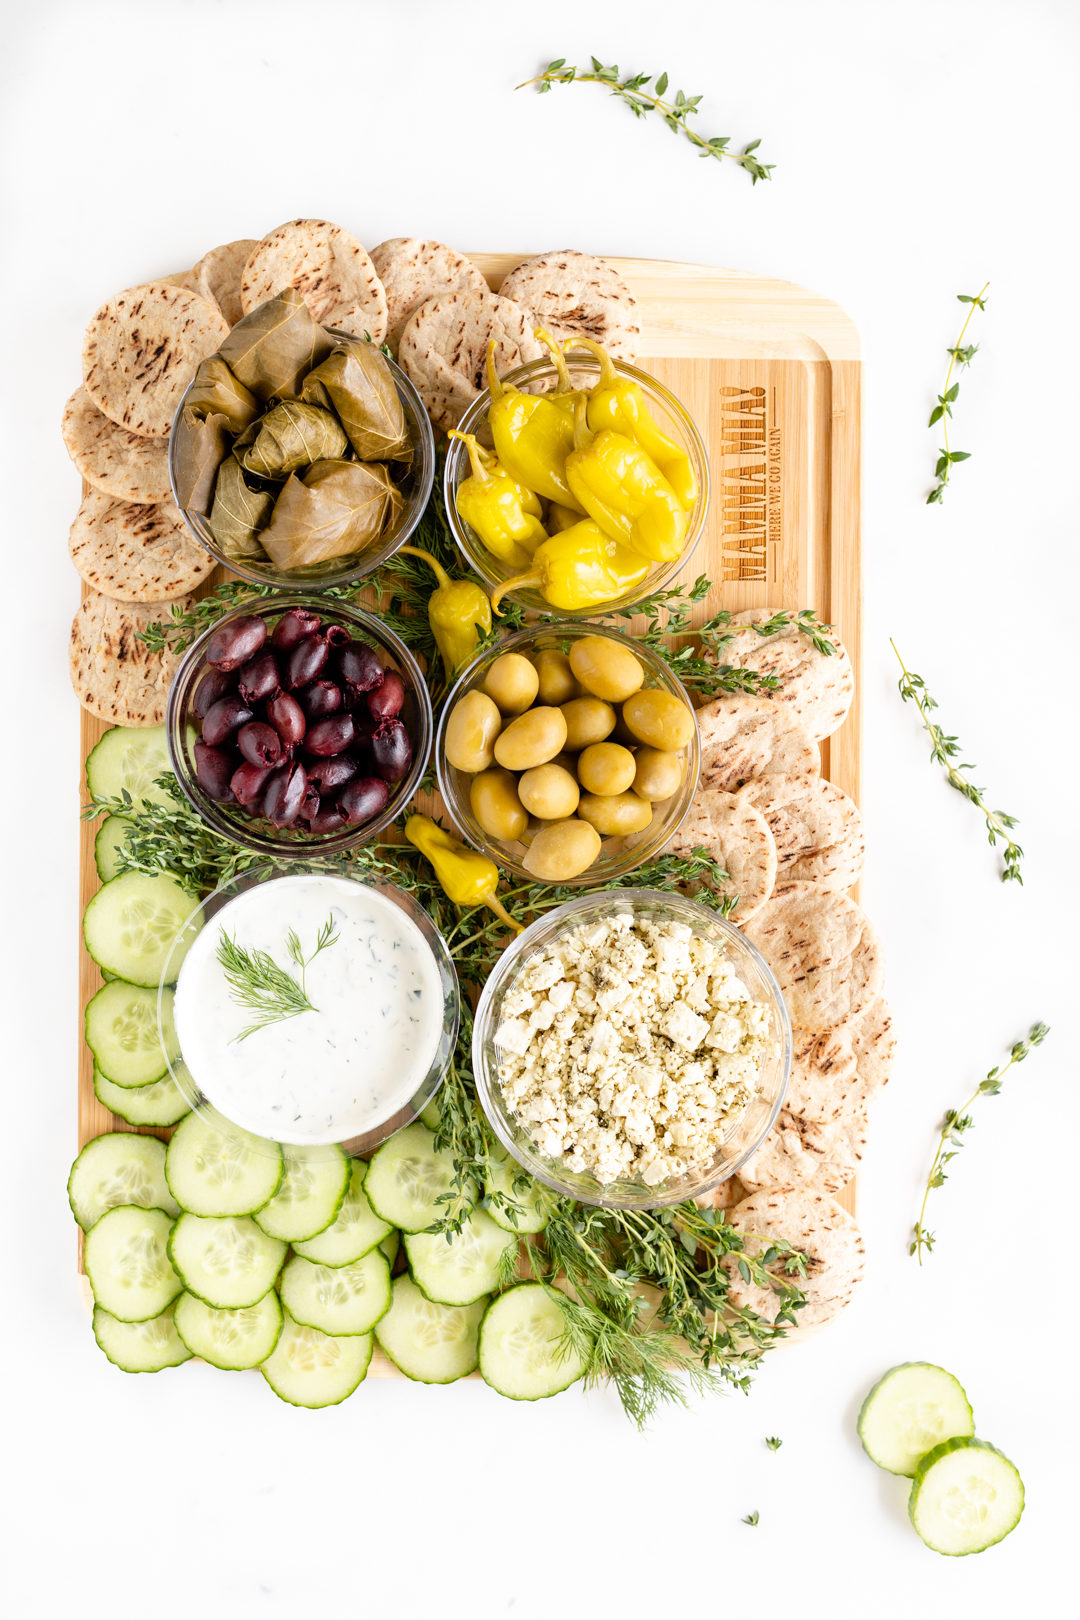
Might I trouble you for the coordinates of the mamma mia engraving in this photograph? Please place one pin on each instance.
(750, 485)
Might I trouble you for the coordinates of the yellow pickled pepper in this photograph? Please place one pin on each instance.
(465, 876)
(503, 513)
(459, 613)
(618, 402)
(580, 567)
(623, 490)
(533, 437)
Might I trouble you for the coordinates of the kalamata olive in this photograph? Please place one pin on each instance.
(213, 685)
(392, 750)
(293, 627)
(305, 662)
(359, 667)
(309, 804)
(248, 782)
(386, 700)
(320, 699)
(259, 743)
(233, 644)
(363, 798)
(330, 736)
(328, 774)
(329, 818)
(259, 678)
(287, 718)
(336, 635)
(224, 717)
(364, 726)
(284, 794)
(213, 768)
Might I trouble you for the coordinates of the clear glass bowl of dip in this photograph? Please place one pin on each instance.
(264, 1048)
(745, 1133)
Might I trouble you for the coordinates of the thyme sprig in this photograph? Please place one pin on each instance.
(945, 751)
(752, 1519)
(956, 1123)
(960, 356)
(167, 836)
(269, 991)
(633, 89)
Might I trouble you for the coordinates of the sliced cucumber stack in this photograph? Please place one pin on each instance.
(432, 1344)
(121, 1025)
(127, 1263)
(309, 1368)
(221, 1172)
(311, 1193)
(225, 1260)
(111, 838)
(234, 1340)
(133, 926)
(966, 1496)
(140, 1347)
(908, 1412)
(459, 1269)
(354, 1230)
(118, 1168)
(407, 1177)
(339, 1300)
(524, 1352)
(129, 759)
(162, 1103)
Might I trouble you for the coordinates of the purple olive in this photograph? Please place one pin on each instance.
(336, 635)
(293, 627)
(285, 794)
(320, 699)
(309, 804)
(287, 718)
(233, 644)
(213, 768)
(359, 667)
(259, 679)
(392, 750)
(248, 782)
(364, 798)
(364, 727)
(330, 818)
(386, 700)
(332, 773)
(305, 663)
(330, 736)
(224, 717)
(259, 744)
(213, 685)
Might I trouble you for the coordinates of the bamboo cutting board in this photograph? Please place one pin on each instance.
(771, 374)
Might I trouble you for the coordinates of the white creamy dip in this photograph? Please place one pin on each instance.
(349, 1064)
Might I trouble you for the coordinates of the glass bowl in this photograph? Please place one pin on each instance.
(182, 731)
(415, 483)
(538, 377)
(745, 1134)
(215, 906)
(618, 856)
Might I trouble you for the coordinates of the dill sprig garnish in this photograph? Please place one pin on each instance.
(269, 991)
(959, 356)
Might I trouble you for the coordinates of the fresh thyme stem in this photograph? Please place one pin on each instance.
(942, 411)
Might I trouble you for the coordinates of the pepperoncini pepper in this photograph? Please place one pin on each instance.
(624, 491)
(579, 568)
(560, 517)
(533, 437)
(504, 514)
(566, 395)
(618, 403)
(466, 877)
(459, 614)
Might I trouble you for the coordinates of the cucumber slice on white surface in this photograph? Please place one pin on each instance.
(224, 1259)
(221, 1172)
(309, 1368)
(965, 1497)
(340, 1300)
(406, 1177)
(234, 1340)
(127, 1262)
(311, 1193)
(163, 1103)
(118, 1168)
(463, 1268)
(140, 1347)
(111, 837)
(532, 1201)
(354, 1230)
(523, 1352)
(129, 759)
(121, 1025)
(132, 925)
(909, 1411)
(432, 1344)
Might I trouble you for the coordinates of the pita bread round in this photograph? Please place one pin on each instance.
(742, 737)
(142, 349)
(412, 271)
(824, 1080)
(814, 1223)
(818, 830)
(816, 689)
(578, 295)
(725, 1195)
(115, 461)
(737, 836)
(824, 952)
(115, 675)
(443, 348)
(217, 275)
(873, 1041)
(328, 266)
(135, 553)
(797, 1151)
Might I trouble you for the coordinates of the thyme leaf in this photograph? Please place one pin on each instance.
(960, 357)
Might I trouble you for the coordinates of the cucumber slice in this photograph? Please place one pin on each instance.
(234, 1340)
(132, 923)
(389, 1246)
(524, 1353)
(433, 1344)
(224, 1259)
(127, 1262)
(111, 838)
(163, 1103)
(909, 1411)
(965, 1497)
(354, 1230)
(122, 1032)
(118, 1168)
(340, 1300)
(312, 1191)
(463, 1268)
(309, 1368)
(140, 1347)
(221, 1172)
(407, 1177)
(129, 759)
(531, 1202)
(431, 1116)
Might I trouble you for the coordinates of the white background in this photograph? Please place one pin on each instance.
(920, 149)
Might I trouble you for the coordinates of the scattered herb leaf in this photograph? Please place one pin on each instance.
(960, 356)
(773, 1442)
(752, 1518)
(257, 983)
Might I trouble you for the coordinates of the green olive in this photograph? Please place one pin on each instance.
(605, 768)
(471, 731)
(532, 739)
(548, 792)
(658, 773)
(659, 719)
(493, 796)
(512, 682)
(617, 815)
(558, 683)
(588, 720)
(605, 668)
(562, 850)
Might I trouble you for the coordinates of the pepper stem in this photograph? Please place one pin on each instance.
(532, 577)
(440, 572)
(475, 449)
(503, 915)
(558, 359)
(495, 387)
(608, 375)
(582, 431)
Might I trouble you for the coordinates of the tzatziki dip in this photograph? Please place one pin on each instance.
(309, 1009)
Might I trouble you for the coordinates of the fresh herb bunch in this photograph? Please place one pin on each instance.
(944, 750)
(267, 990)
(676, 111)
(170, 839)
(956, 1123)
(960, 355)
